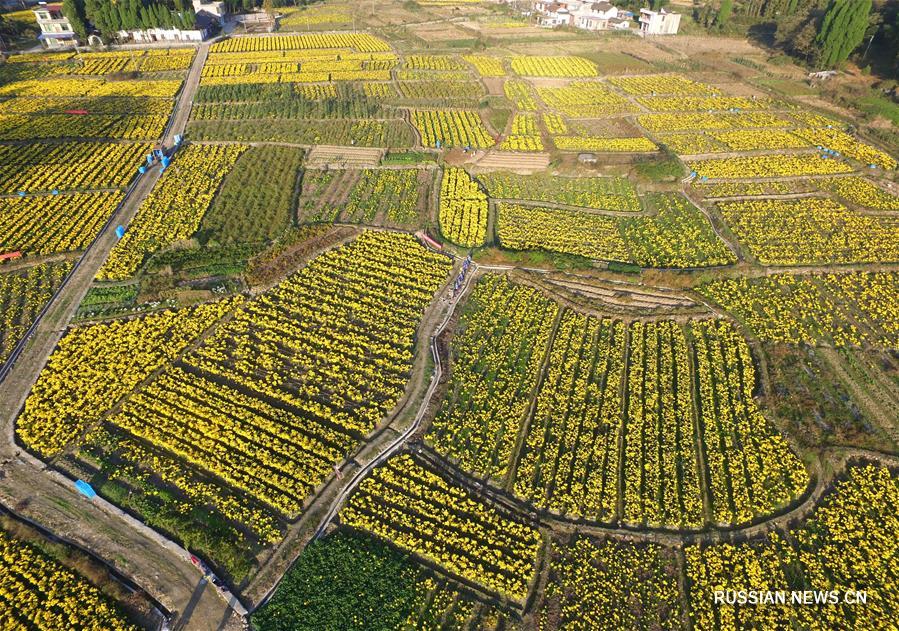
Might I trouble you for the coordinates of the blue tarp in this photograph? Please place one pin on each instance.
(85, 489)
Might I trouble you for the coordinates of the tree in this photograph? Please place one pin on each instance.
(842, 30)
(724, 11)
(74, 12)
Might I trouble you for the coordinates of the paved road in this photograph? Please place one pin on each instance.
(154, 563)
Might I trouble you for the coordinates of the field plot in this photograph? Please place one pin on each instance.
(22, 295)
(392, 197)
(465, 537)
(302, 89)
(48, 224)
(613, 396)
(677, 234)
(174, 209)
(847, 544)
(257, 198)
(45, 167)
(812, 230)
(848, 309)
(496, 357)
(606, 193)
(228, 426)
(349, 572)
(463, 209)
(38, 592)
(593, 584)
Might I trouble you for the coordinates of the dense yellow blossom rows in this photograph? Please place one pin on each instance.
(362, 42)
(23, 293)
(36, 592)
(486, 66)
(604, 144)
(668, 84)
(608, 193)
(561, 66)
(841, 309)
(123, 126)
(47, 224)
(174, 208)
(419, 511)
(584, 99)
(91, 87)
(451, 128)
(811, 230)
(463, 209)
(768, 166)
(496, 359)
(862, 192)
(95, 365)
(845, 144)
(848, 544)
(524, 136)
(40, 167)
(691, 121)
(677, 236)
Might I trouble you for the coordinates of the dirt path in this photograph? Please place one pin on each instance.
(50, 499)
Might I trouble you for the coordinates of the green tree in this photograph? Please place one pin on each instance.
(74, 12)
(724, 11)
(842, 30)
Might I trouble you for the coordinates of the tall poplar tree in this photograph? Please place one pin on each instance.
(842, 30)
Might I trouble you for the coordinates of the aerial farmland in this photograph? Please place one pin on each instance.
(449, 314)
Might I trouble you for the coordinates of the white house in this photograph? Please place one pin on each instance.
(590, 16)
(203, 28)
(594, 16)
(56, 31)
(658, 22)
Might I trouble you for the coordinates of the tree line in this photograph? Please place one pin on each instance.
(127, 15)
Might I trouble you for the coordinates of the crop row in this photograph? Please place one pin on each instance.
(23, 293)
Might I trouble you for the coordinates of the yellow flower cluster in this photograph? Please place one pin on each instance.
(584, 99)
(40, 167)
(706, 103)
(90, 87)
(811, 230)
(94, 366)
(689, 143)
(419, 511)
(768, 166)
(519, 92)
(36, 592)
(752, 470)
(23, 293)
(691, 121)
(47, 224)
(433, 62)
(173, 210)
(848, 544)
(496, 359)
(463, 209)
(612, 585)
(126, 126)
(554, 123)
(603, 144)
(378, 90)
(757, 139)
(362, 42)
(448, 90)
(310, 17)
(678, 235)
(608, 193)
(669, 84)
(845, 144)
(486, 66)
(525, 136)
(451, 128)
(862, 192)
(840, 309)
(560, 66)
(320, 92)
(139, 461)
